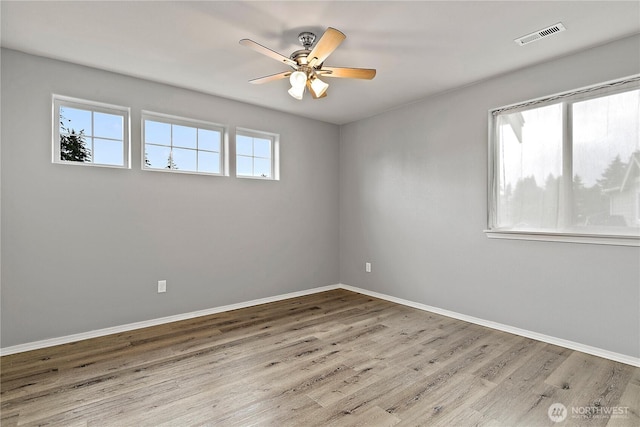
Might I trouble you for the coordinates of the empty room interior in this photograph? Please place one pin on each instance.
(326, 213)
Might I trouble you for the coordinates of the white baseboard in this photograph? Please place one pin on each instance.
(630, 360)
(36, 345)
(595, 351)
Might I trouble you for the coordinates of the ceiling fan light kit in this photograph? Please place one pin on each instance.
(298, 80)
(318, 87)
(308, 64)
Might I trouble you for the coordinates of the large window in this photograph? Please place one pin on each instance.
(182, 145)
(87, 132)
(256, 154)
(568, 165)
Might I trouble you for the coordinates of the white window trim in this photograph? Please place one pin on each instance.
(493, 232)
(275, 153)
(185, 121)
(596, 239)
(101, 107)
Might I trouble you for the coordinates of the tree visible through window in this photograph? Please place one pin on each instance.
(183, 145)
(73, 147)
(568, 165)
(89, 132)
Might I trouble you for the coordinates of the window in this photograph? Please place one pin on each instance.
(567, 167)
(182, 145)
(87, 132)
(256, 154)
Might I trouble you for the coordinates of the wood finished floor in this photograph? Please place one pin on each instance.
(335, 358)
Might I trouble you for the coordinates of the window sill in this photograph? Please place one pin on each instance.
(181, 171)
(90, 164)
(593, 239)
(259, 178)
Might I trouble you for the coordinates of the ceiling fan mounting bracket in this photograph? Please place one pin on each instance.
(306, 39)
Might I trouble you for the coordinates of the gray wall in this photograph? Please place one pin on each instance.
(411, 199)
(84, 247)
(413, 202)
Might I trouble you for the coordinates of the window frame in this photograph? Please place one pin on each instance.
(186, 122)
(570, 234)
(275, 152)
(59, 101)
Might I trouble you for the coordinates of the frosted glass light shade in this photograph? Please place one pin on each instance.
(319, 87)
(297, 92)
(298, 79)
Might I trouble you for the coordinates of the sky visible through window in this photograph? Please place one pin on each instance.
(603, 128)
(182, 148)
(253, 156)
(103, 133)
(167, 145)
(604, 150)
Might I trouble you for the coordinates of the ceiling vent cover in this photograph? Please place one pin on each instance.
(545, 32)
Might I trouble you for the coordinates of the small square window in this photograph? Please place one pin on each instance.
(256, 154)
(87, 132)
(176, 144)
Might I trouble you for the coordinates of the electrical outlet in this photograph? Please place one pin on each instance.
(367, 267)
(162, 286)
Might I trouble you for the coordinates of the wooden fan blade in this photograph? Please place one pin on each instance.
(329, 41)
(313, 94)
(267, 79)
(347, 73)
(268, 52)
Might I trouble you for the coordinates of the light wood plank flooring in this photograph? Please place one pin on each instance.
(335, 358)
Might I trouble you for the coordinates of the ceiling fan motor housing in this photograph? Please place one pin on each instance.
(300, 56)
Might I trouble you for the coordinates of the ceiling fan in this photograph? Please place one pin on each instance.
(308, 64)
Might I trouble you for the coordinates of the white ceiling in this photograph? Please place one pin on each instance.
(419, 48)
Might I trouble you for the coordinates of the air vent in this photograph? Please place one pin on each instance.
(545, 32)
